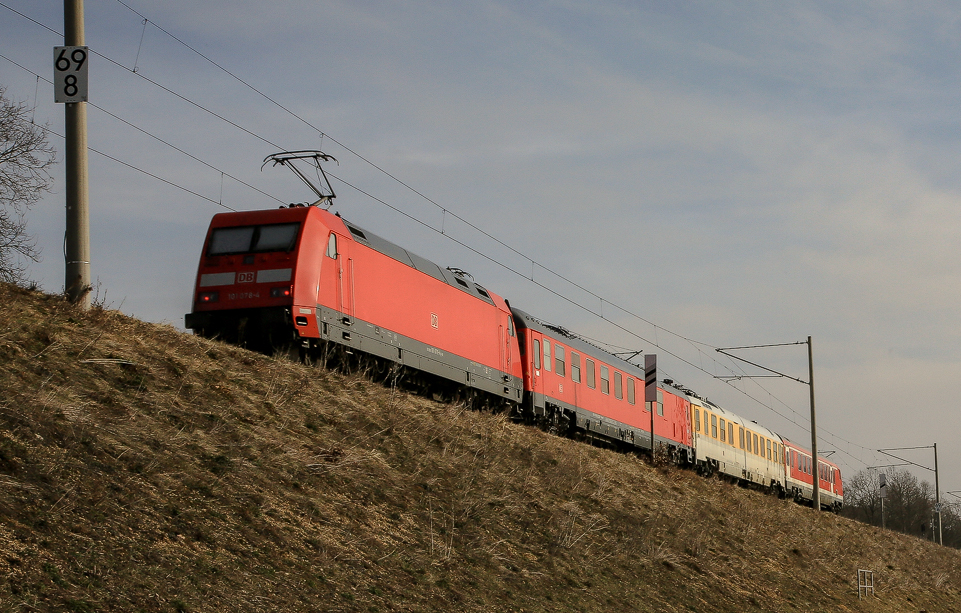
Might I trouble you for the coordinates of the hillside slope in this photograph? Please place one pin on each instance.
(142, 469)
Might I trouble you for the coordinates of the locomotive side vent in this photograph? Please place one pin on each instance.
(357, 232)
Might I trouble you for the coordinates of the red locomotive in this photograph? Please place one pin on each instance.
(302, 277)
(306, 277)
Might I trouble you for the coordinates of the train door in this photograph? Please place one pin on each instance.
(345, 280)
(508, 345)
(576, 377)
(504, 344)
(329, 263)
(547, 383)
(534, 359)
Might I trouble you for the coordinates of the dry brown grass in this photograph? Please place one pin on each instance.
(145, 469)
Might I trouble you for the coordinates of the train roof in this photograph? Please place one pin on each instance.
(526, 320)
(453, 277)
(789, 443)
(729, 415)
(753, 425)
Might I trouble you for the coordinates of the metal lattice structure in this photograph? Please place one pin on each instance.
(865, 583)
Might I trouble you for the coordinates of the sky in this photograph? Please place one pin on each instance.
(662, 177)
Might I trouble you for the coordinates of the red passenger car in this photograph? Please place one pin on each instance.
(580, 387)
(302, 275)
(800, 477)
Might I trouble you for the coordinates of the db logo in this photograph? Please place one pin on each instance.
(434, 322)
(246, 277)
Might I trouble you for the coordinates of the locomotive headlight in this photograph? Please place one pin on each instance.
(206, 297)
(281, 292)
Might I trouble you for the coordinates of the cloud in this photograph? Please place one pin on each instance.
(735, 172)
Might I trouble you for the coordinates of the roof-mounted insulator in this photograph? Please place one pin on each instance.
(561, 330)
(461, 273)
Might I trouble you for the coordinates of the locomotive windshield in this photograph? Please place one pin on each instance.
(253, 239)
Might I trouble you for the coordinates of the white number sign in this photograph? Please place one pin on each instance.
(69, 74)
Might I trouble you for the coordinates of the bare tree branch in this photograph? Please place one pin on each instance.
(25, 161)
(908, 505)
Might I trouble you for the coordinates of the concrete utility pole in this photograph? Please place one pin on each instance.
(937, 481)
(816, 498)
(816, 494)
(77, 241)
(937, 494)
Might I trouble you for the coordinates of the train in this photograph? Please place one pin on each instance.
(300, 276)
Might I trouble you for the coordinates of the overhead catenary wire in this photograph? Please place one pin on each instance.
(158, 139)
(146, 172)
(396, 209)
(445, 211)
(597, 313)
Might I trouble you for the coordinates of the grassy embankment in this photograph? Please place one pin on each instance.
(146, 469)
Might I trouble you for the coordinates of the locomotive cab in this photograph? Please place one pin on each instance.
(245, 291)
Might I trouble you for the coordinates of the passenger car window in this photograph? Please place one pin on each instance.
(575, 367)
(559, 361)
(547, 354)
